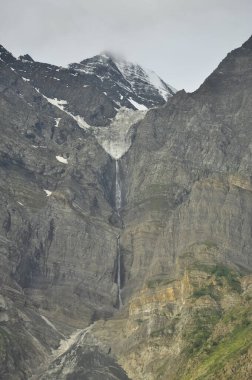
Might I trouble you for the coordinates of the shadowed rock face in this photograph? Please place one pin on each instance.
(48, 250)
(189, 172)
(185, 229)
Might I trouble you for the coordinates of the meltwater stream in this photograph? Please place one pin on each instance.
(118, 204)
(119, 272)
(118, 192)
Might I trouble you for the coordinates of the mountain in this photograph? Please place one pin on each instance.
(98, 93)
(125, 233)
(129, 84)
(95, 88)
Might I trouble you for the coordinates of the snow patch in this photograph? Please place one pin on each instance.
(86, 71)
(57, 120)
(60, 104)
(56, 102)
(26, 79)
(39, 146)
(138, 106)
(116, 138)
(135, 74)
(76, 338)
(156, 82)
(65, 344)
(48, 192)
(62, 159)
(50, 324)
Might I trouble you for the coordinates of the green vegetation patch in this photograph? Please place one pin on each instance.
(203, 322)
(215, 354)
(208, 290)
(139, 321)
(223, 275)
(232, 278)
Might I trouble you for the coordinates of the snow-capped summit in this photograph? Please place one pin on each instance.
(137, 75)
(94, 90)
(129, 84)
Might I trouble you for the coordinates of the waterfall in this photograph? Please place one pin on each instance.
(119, 272)
(118, 192)
(118, 204)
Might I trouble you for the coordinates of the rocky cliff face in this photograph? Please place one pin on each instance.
(192, 167)
(125, 233)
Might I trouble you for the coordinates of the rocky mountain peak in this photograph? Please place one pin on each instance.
(26, 57)
(223, 80)
(248, 43)
(6, 56)
(133, 86)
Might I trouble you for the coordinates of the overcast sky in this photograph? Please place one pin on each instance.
(182, 40)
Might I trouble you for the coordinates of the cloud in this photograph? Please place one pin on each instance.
(183, 40)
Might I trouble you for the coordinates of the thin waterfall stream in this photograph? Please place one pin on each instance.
(118, 192)
(118, 204)
(119, 272)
